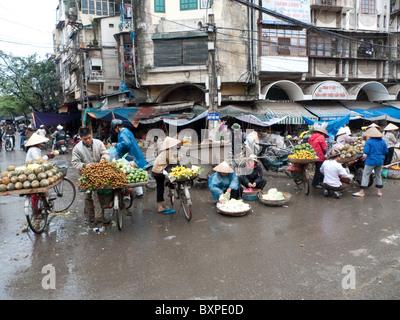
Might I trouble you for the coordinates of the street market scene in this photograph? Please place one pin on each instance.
(187, 178)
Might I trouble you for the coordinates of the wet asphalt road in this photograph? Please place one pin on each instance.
(294, 252)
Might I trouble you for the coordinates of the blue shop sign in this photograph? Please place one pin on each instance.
(213, 116)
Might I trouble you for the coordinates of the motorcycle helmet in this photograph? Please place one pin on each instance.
(59, 127)
(115, 123)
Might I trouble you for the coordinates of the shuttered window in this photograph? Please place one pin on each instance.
(159, 5)
(188, 4)
(180, 52)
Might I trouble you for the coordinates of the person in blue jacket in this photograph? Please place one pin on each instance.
(375, 149)
(223, 180)
(127, 144)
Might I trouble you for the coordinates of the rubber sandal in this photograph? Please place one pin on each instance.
(357, 194)
(169, 211)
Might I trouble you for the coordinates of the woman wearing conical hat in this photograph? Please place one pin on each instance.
(375, 149)
(163, 160)
(223, 180)
(33, 148)
(390, 139)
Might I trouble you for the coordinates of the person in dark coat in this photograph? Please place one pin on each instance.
(253, 177)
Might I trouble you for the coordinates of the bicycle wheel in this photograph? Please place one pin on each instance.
(36, 211)
(117, 211)
(306, 180)
(63, 195)
(186, 203)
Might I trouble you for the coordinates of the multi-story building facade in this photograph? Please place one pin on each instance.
(308, 51)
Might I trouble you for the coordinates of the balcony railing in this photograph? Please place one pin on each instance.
(327, 3)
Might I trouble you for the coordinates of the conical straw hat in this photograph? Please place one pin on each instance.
(390, 127)
(323, 131)
(35, 139)
(341, 131)
(373, 133)
(373, 125)
(224, 167)
(169, 143)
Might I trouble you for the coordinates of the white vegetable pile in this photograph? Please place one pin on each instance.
(233, 205)
(273, 194)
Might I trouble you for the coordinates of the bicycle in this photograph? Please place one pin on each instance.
(181, 191)
(300, 172)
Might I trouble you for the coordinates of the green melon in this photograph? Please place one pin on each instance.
(44, 183)
(35, 184)
(26, 184)
(18, 186)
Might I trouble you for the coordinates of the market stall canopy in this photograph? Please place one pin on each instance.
(234, 110)
(373, 111)
(259, 120)
(293, 112)
(53, 119)
(329, 110)
(125, 114)
(331, 126)
(183, 122)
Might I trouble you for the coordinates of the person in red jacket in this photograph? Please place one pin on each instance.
(317, 140)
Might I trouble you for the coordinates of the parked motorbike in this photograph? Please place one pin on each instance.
(272, 157)
(356, 168)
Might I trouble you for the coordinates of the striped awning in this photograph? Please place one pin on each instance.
(293, 112)
(330, 110)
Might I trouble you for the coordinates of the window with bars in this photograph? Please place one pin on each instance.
(283, 42)
(368, 6)
(159, 5)
(100, 8)
(188, 4)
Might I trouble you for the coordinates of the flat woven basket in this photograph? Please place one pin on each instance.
(275, 203)
(345, 160)
(301, 161)
(234, 214)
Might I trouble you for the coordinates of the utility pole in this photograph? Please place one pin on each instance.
(212, 85)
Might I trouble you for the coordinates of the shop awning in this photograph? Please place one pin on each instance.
(332, 126)
(260, 120)
(373, 111)
(182, 122)
(293, 112)
(329, 110)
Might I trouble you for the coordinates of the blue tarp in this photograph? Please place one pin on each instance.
(333, 126)
(53, 119)
(108, 115)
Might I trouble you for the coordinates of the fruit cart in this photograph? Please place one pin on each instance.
(39, 203)
(115, 199)
(55, 195)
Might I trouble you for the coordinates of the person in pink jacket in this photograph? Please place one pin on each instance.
(317, 140)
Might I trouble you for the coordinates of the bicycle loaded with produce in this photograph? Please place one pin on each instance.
(45, 187)
(111, 180)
